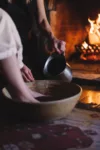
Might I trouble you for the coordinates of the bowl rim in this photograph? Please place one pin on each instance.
(47, 102)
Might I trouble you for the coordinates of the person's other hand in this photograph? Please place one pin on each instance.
(27, 74)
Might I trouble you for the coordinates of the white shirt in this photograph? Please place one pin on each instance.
(10, 42)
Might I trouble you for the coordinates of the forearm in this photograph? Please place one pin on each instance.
(41, 10)
(42, 18)
(13, 76)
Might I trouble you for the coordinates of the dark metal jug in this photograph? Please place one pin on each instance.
(57, 68)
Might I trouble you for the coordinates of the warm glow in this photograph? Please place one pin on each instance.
(91, 96)
(92, 25)
(91, 51)
(98, 21)
(94, 33)
(85, 45)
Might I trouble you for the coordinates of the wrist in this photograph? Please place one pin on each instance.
(45, 26)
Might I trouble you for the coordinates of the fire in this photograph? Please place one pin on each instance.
(91, 50)
(94, 33)
(92, 25)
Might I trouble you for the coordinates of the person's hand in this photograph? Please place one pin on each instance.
(53, 43)
(59, 45)
(27, 74)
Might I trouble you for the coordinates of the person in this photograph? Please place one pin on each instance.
(12, 69)
(33, 26)
(44, 25)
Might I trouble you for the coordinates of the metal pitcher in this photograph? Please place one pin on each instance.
(57, 68)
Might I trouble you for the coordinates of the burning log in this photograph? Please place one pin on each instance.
(90, 57)
(89, 52)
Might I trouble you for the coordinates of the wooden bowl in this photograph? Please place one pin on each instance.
(64, 98)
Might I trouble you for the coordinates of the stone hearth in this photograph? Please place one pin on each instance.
(90, 71)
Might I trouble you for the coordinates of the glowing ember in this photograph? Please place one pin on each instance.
(85, 45)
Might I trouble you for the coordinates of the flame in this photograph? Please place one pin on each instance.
(94, 33)
(92, 25)
(90, 52)
(98, 21)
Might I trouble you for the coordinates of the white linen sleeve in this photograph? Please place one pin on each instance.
(10, 43)
(18, 45)
(20, 58)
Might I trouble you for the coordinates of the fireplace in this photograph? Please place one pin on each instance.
(78, 23)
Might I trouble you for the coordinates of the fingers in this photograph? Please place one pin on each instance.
(26, 79)
(59, 45)
(27, 74)
(58, 50)
(62, 46)
(56, 47)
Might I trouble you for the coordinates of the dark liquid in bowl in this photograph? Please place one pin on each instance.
(59, 91)
(46, 98)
